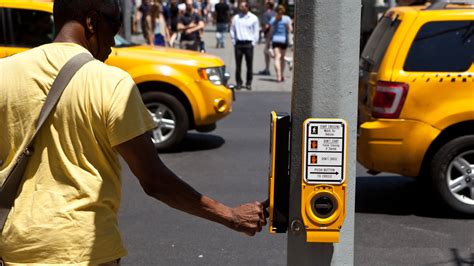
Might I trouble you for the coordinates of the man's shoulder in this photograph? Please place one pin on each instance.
(112, 73)
(253, 16)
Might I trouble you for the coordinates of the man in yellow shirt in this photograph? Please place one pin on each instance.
(66, 210)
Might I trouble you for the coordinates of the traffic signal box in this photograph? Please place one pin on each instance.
(279, 173)
(323, 183)
(323, 186)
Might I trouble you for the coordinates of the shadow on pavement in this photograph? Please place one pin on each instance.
(269, 79)
(459, 260)
(399, 195)
(198, 142)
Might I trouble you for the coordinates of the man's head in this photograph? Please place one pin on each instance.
(269, 5)
(96, 22)
(189, 6)
(244, 7)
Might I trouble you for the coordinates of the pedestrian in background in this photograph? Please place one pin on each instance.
(160, 29)
(204, 7)
(145, 20)
(267, 16)
(66, 209)
(244, 33)
(233, 8)
(190, 24)
(280, 31)
(134, 17)
(222, 22)
(173, 21)
(212, 10)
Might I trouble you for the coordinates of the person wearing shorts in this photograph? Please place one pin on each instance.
(280, 29)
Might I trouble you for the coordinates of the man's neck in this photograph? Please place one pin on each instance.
(72, 32)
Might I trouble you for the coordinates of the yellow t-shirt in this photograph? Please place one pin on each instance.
(66, 212)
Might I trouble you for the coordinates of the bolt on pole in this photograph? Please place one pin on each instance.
(325, 78)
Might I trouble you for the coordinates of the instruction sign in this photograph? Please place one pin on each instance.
(324, 151)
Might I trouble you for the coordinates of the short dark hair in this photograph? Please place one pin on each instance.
(68, 10)
(270, 5)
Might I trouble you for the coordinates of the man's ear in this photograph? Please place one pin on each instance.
(92, 20)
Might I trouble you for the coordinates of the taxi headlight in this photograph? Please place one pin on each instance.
(212, 74)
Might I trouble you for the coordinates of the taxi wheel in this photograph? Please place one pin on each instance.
(170, 116)
(452, 172)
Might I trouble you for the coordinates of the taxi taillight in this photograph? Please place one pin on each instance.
(389, 99)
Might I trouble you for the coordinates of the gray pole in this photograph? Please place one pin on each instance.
(325, 86)
(127, 14)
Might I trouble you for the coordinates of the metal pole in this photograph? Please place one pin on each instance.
(324, 86)
(127, 21)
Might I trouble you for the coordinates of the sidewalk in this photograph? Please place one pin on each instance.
(259, 83)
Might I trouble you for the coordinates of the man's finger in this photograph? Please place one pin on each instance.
(263, 219)
(266, 203)
(261, 214)
(259, 226)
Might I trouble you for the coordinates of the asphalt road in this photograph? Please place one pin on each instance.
(397, 220)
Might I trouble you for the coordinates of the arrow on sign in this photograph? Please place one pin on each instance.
(331, 173)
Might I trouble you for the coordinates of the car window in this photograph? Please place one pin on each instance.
(122, 42)
(442, 46)
(30, 28)
(378, 43)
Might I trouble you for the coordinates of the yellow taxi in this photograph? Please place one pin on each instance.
(416, 99)
(183, 90)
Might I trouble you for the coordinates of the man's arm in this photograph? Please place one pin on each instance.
(256, 31)
(151, 34)
(200, 25)
(232, 31)
(161, 183)
(290, 26)
(181, 26)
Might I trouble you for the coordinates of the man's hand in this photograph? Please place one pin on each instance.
(249, 218)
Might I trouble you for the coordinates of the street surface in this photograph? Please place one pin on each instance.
(397, 220)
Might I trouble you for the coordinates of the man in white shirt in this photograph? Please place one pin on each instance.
(244, 32)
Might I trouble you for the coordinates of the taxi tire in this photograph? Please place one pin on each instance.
(439, 167)
(182, 120)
